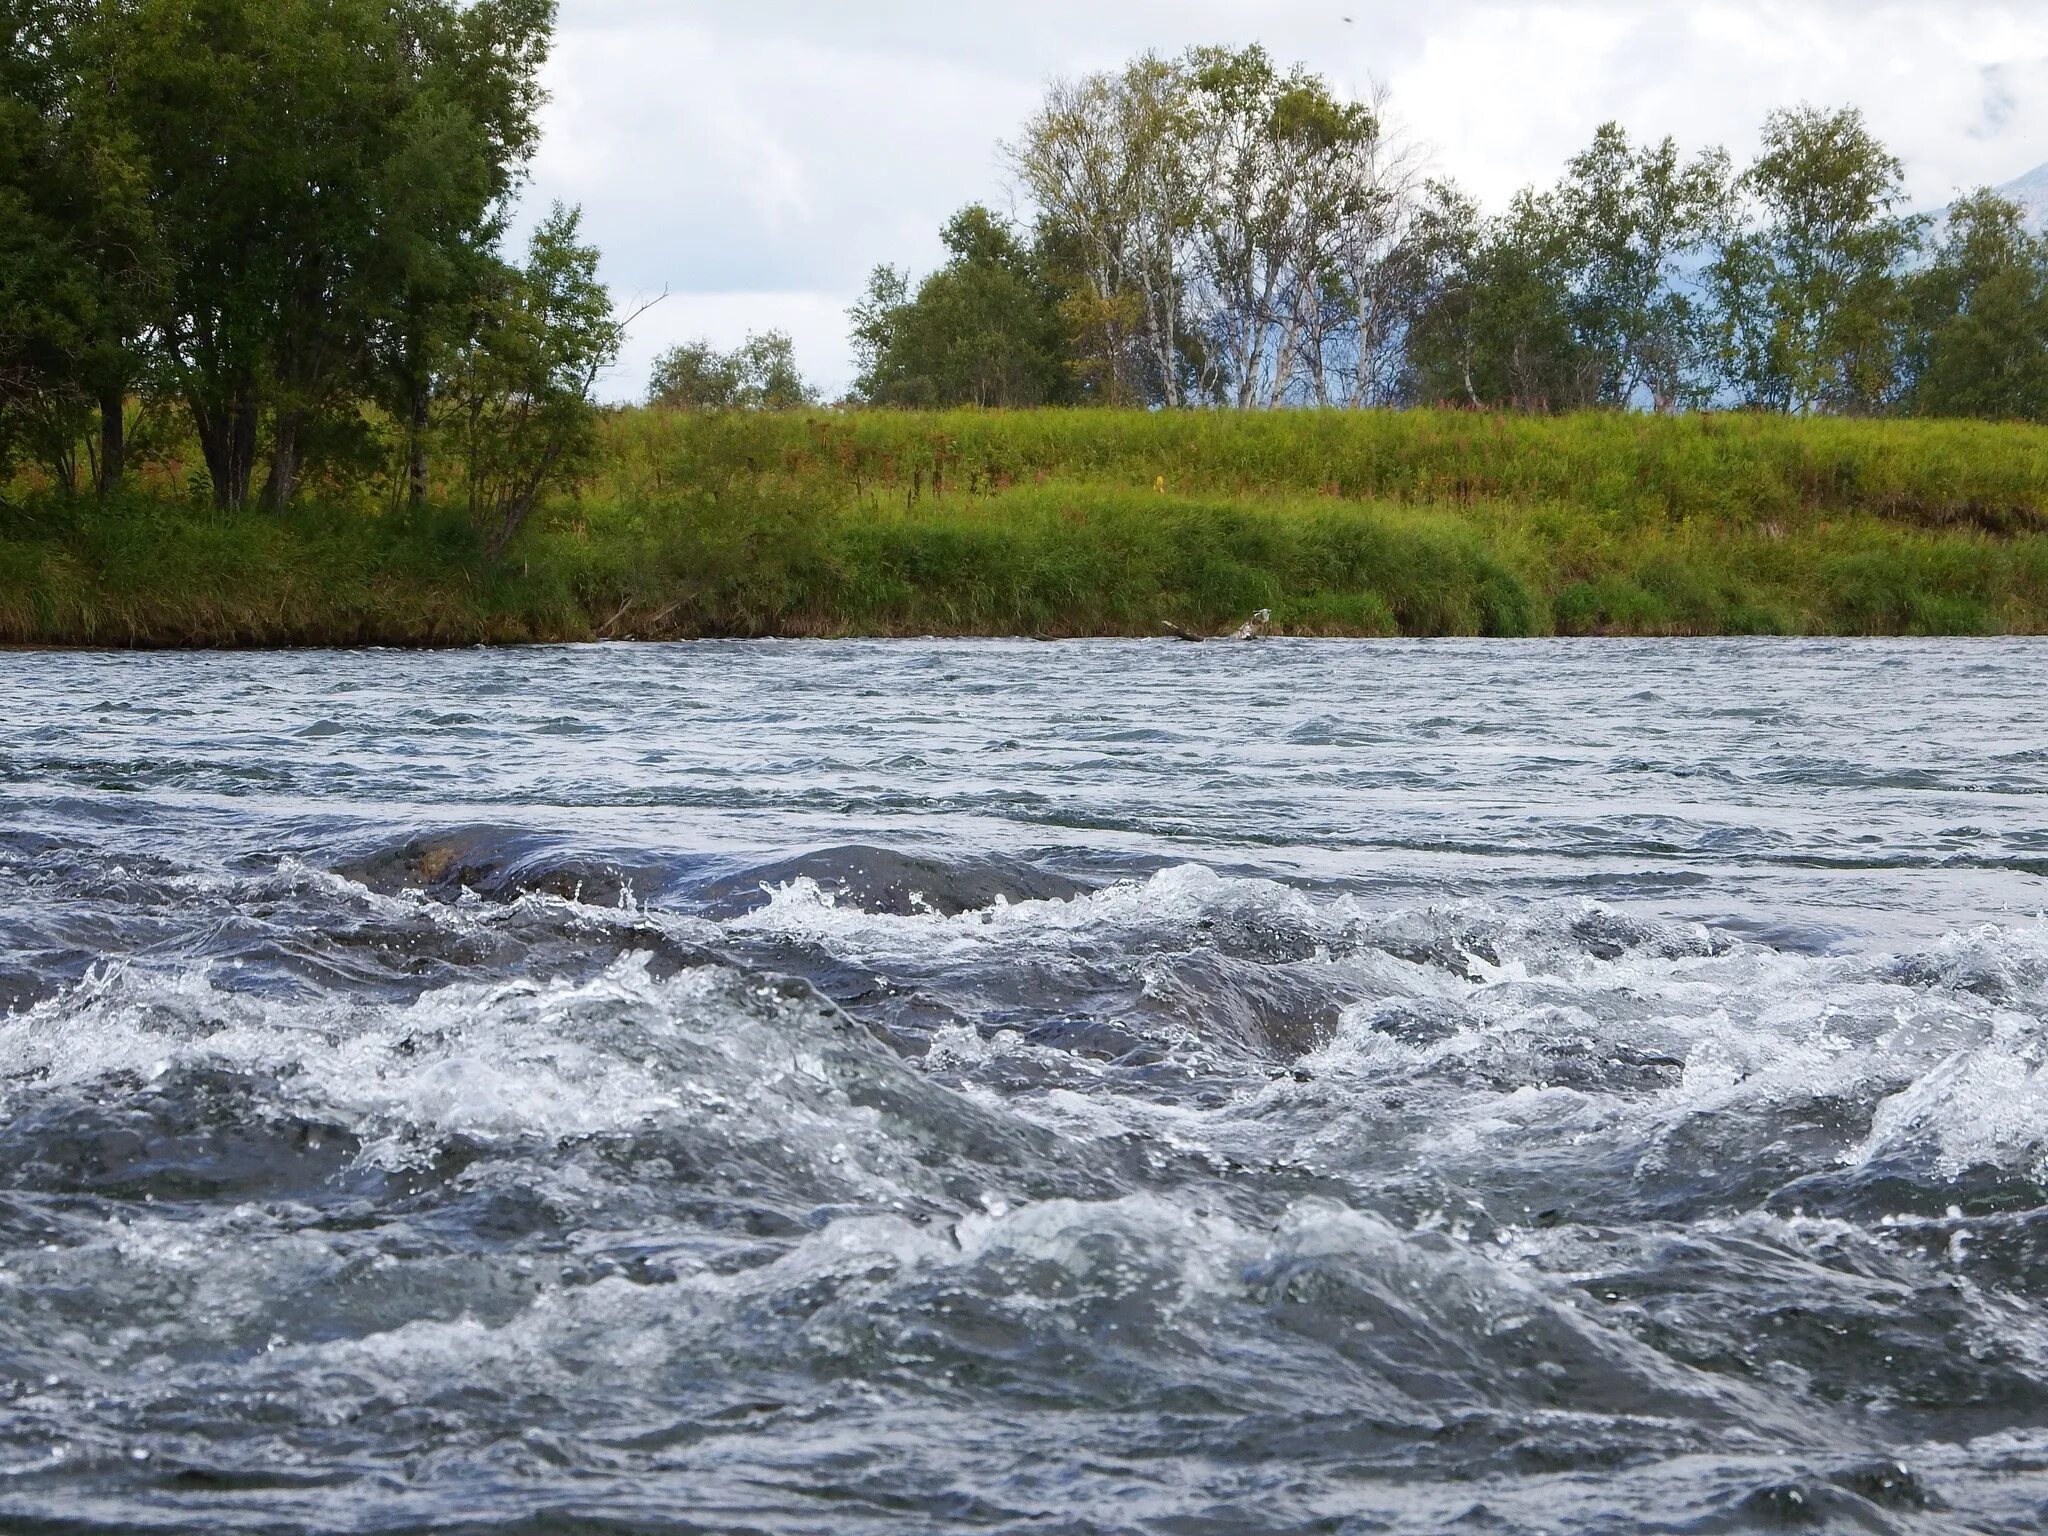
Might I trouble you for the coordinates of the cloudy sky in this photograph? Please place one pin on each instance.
(755, 158)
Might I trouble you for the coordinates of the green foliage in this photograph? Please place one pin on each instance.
(1631, 218)
(1573, 298)
(280, 213)
(521, 387)
(1809, 290)
(1273, 165)
(306, 158)
(1977, 335)
(695, 376)
(985, 329)
(1210, 221)
(1224, 233)
(1105, 160)
(759, 375)
(77, 259)
(1497, 328)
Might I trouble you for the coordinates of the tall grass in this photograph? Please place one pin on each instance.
(1069, 523)
(1743, 468)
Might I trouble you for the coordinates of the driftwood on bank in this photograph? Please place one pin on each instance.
(1252, 628)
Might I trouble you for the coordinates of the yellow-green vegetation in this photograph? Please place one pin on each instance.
(1099, 522)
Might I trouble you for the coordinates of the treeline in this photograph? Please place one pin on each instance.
(1209, 230)
(265, 244)
(277, 228)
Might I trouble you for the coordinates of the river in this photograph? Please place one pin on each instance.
(1563, 1087)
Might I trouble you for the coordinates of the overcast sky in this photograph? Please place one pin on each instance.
(757, 157)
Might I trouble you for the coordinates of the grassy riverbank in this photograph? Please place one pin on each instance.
(1074, 522)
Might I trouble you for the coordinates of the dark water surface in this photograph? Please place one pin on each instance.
(848, 1088)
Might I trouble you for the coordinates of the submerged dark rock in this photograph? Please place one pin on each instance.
(885, 881)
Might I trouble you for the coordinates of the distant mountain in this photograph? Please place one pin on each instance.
(2029, 191)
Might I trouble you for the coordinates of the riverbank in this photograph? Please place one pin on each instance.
(1067, 523)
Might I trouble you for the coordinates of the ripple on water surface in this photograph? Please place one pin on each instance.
(1536, 1088)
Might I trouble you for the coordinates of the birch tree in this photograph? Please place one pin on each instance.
(1354, 341)
(1105, 159)
(1210, 211)
(1809, 288)
(1636, 220)
(1277, 160)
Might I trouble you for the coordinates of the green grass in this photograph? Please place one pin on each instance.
(1070, 523)
(1742, 468)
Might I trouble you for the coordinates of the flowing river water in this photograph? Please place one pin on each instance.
(925, 1087)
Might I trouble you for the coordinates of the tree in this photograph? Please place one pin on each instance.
(1808, 290)
(1354, 343)
(1441, 344)
(326, 173)
(1106, 160)
(286, 215)
(872, 320)
(1976, 335)
(1578, 296)
(695, 376)
(522, 383)
(1276, 162)
(1221, 230)
(759, 375)
(40, 287)
(76, 257)
(458, 164)
(985, 329)
(1636, 219)
(1499, 325)
(770, 379)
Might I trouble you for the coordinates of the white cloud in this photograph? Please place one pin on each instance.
(758, 159)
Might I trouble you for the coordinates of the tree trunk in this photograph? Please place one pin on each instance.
(511, 519)
(416, 457)
(227, 441)
(113, 441)
(283, 479)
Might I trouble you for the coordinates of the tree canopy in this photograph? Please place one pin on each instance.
(284, 224)
(758, 375)
(984, 329)
(1977, 318)
(284, 216)
(1211, 229)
